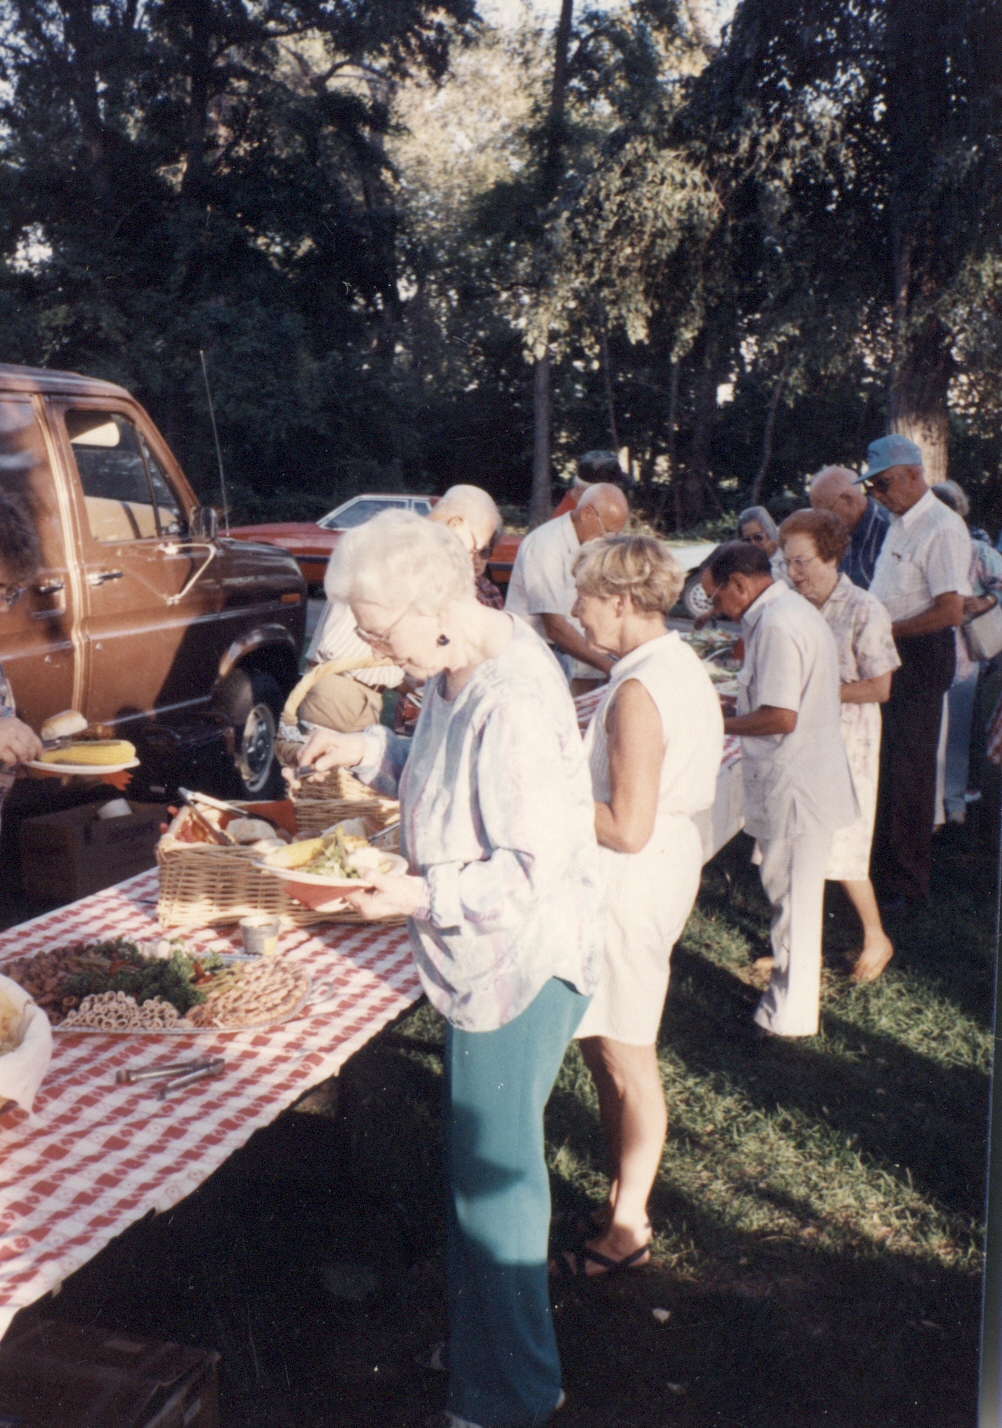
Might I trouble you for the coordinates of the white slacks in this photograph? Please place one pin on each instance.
(793, 876)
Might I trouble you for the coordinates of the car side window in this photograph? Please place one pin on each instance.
(113, 475)
(169, 514)
(423, 508)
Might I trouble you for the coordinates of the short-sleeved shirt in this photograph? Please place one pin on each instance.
(865, 542)
(335, 640)
(926, 553)
(542, 583)
(796, 783)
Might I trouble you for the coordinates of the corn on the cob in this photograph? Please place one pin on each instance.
(92, 751)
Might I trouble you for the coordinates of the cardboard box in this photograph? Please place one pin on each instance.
(69, 854)
(55, 1375)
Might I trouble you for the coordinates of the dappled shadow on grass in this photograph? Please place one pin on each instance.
(314, 1261)
(910, 1113)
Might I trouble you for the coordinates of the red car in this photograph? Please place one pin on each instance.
(311, 542)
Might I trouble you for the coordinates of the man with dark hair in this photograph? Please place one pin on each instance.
(797, 786)
(20, 557)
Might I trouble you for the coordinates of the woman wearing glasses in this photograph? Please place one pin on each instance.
(19, 561)
(503, 907)
(813, 543)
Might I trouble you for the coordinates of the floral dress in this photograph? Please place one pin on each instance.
(866, 649)
(7, 711)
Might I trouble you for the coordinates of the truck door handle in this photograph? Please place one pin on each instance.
(53, 588)
(98, 577)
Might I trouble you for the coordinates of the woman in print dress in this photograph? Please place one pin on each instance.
(813, 543)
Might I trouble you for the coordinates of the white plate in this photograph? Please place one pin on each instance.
(324, 880)
(79, 770)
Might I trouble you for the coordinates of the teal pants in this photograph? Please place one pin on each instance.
(504, 1370)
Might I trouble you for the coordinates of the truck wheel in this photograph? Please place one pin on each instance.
(252, 702)
(695, 600)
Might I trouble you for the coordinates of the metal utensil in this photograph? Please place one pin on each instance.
(178, 1083)
(193, 799)
(127, 1076)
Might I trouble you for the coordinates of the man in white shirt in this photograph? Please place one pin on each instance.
(348, 697)
(542, 589)
(921, 577)
(797, 785)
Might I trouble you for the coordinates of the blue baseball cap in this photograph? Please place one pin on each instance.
(886, 451)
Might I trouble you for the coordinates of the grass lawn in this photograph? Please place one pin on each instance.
(818, 1210)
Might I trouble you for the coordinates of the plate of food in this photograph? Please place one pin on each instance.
(88, 757)
(118, 987)
(334, 860)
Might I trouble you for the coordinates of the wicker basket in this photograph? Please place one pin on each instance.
(320, 802)
(202, 885)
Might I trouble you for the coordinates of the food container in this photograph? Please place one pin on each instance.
(321, 802)
(260, 934)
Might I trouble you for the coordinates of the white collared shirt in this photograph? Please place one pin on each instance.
(542, 583)
(795, 783)
(926, 553)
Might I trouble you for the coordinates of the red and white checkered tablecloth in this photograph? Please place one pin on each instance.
(94, 1157)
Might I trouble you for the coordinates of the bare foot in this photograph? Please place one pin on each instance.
(872, 961)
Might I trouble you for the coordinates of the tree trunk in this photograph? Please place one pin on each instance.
(770, 423)
(541, 502)
(610, 405)
(917, 405)
(691, 506)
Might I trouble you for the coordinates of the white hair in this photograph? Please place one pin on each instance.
(472, 504)
(399, 558)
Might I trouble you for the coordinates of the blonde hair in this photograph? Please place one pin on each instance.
(400, 558)
(636, 565)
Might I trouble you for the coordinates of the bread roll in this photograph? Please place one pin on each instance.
(64, 725)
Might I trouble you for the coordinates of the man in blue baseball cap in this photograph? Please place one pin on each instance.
(921, 577)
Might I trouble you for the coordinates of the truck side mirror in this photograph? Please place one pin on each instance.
(204, 523)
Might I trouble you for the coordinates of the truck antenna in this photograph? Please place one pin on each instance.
(215, 433)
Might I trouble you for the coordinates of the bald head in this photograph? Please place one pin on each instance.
(602, 510)
(833, 489)
(471, 513)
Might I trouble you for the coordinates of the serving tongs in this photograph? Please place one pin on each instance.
(174, 1076)
(192, 800)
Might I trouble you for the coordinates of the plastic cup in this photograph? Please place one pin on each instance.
(260, 934)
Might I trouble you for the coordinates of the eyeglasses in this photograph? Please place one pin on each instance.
(371, 637)
(760, 539)
(799, 563)
(601, 523)
(486, 551)
(11, 594)
(877, 483)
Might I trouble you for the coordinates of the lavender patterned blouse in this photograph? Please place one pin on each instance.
(497, 816)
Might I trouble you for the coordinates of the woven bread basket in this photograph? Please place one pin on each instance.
(326, 799)
(204, 885)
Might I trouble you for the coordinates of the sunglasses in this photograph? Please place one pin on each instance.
(877, 483)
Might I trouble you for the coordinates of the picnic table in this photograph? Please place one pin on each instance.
(94, 1157)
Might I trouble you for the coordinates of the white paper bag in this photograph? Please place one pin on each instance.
(22, 1070)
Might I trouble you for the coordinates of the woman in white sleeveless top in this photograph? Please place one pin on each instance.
(654, 747)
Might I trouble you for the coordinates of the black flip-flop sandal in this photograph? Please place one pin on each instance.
(570, 1266)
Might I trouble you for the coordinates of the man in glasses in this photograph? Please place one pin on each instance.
(348, 696)
(797, 785)
(921, 577)
(542, 590)
(19, 561)
(835, 489)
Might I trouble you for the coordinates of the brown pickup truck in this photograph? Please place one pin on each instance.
(141, 611)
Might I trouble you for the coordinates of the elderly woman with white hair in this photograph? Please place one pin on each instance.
(654, 747)
(503, 906)
(757, 527)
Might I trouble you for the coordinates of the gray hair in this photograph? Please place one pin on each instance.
(400, 558)
(953, 496)
(760, 514)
